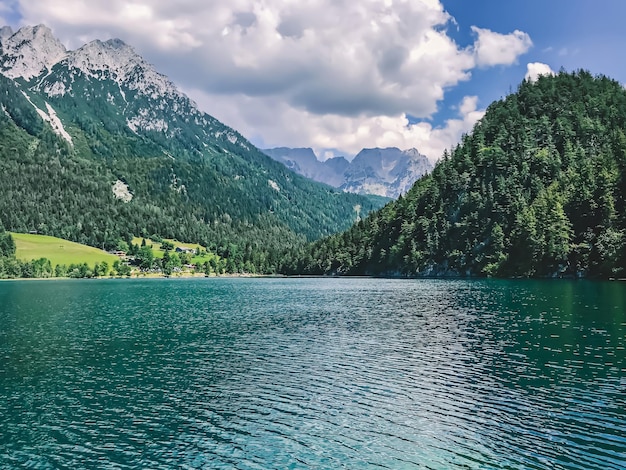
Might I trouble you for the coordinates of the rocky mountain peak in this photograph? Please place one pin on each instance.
(413, 153)
(383, 171)
(116, 43)
(112, 56)
(116, 60)
(29, 52)
(302, 154)
(377, 156)
(33, 50)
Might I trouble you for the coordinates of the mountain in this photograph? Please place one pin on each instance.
(304, 162)
(537, 190)
(387, 172)
(28, 52)
(97, 146)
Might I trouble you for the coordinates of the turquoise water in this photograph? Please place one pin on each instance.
(312, 373)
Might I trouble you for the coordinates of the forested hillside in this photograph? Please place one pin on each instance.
(537, 189)
(101, 118)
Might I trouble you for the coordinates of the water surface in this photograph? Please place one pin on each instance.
(312, 373)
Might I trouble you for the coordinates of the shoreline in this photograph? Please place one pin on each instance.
(297, 276)
(150, 276)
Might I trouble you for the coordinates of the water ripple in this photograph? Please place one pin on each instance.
(315, 373)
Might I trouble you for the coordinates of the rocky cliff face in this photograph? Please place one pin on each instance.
(29, 52)
(304, 162)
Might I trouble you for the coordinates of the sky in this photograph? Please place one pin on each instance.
(338, 75)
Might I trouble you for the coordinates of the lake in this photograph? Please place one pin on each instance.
(312, 373)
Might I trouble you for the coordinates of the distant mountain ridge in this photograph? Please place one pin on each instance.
(97, 146)
(387, 172)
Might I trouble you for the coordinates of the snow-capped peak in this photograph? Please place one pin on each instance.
(29, 51)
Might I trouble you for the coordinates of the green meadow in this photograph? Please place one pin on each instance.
(158, 251)
(58, 251)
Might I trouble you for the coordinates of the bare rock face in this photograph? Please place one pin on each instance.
(29, 51)
(387, 172)
(303, 161)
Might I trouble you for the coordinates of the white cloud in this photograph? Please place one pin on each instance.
(565, 52)
(323, 73)
(493, 48)
(534, 69)
(278, 124)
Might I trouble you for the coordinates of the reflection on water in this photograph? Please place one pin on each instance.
(312, 373)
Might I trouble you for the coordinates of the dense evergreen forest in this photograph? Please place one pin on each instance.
(226, 196)
(536, 190)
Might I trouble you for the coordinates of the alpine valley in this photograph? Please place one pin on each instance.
(96, 146)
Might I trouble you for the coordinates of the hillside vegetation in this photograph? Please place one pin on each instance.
(41, 256)
(31, 247)
(102, 118)
(537, 189)
(66, 191)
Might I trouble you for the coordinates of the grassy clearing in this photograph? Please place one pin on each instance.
(58, 251)
(158, 252)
